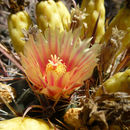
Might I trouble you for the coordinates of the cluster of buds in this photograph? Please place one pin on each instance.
(48, 14)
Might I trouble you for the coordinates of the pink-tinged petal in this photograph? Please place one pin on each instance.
(54, 93)
(43, 49)
(60, 83)
(51, 78)
(79, 75)
(31, 74)
(63, 81)
(86, 62)
(33, 56)
(75, 57)
(35, 50)
(66, 48)
(52, 38)
(56, 46)
(70, 89)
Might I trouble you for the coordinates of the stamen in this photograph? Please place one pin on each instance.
(55, 64)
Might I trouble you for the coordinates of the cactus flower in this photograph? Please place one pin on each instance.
(58, 63)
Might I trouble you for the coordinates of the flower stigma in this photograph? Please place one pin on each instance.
(56, 65)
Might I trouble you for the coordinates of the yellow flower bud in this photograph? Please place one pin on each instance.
(16, 23)
(120, 82)
(64, 14)
(94, 8)
(26, 123)
(53, 15)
